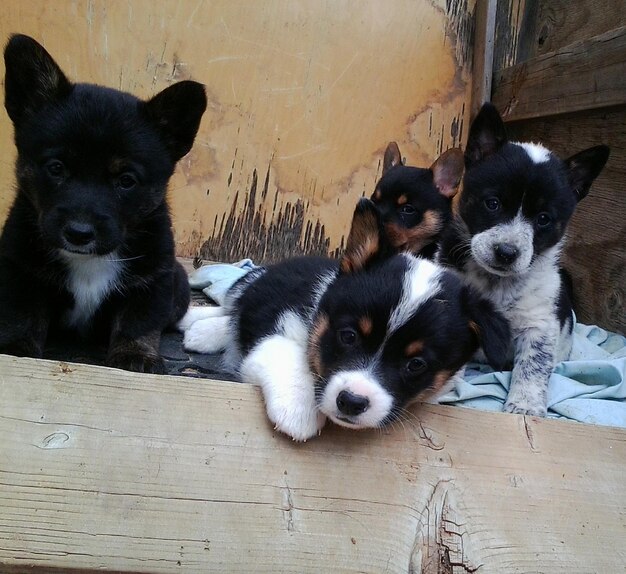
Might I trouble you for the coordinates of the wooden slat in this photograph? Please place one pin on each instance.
(482, 63)
(584, 75)
(104, 470)
(527, 28)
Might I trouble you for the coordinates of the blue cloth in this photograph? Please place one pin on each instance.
(216, 279)
(590, 387)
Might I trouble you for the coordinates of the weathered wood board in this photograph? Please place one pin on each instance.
(303, 98)
(526, 29)
(585, 75)
(105, 470)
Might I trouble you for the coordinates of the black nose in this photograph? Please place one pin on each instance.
(506, 253)
(78, 233)
(350, 404)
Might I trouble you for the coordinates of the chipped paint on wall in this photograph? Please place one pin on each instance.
(303, 98)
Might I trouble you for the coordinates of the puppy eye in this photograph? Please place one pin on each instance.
(407, 209)
(492, 203)
(544, 219)
(416, 366)
(347, 337)
(126, 181)
(55, 168)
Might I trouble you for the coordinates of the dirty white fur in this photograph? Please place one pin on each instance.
(518, 232)
(362, 383)
(90, 279)
(529, 301)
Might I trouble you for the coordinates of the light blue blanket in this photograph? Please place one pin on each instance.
(590, 387)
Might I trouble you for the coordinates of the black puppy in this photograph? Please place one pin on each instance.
(506, 237)
(415, 202)
(88, 246)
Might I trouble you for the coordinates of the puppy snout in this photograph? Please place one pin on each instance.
(350, 404)
(78, 233)
(506, 253)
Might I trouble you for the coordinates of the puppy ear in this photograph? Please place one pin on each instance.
(584, 167)
(33, 79)
(176, 112)
(448, 171)
(392, 157)
(365, 240)
(491, 328)
(486, 136)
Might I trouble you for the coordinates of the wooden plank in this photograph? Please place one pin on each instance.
(585, 75)
(482, 63)
(104, 470)
(594, 252)
(526, 29)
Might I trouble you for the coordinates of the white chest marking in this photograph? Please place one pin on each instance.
(90, 279)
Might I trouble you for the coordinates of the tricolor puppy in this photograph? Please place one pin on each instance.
(506, 237)
(353, 340)
(87, 247)
(414, 202)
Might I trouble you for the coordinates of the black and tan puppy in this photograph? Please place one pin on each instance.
(415, 203)
(88, 246)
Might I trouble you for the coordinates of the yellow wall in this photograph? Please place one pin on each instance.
(303, 97)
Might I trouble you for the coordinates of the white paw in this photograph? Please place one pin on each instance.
(526, 408)
(208, 335)
(298, 421)
(198, 313)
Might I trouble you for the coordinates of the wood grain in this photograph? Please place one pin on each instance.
(482, 66)
(585, 75)
(104, 470)
(528, 29)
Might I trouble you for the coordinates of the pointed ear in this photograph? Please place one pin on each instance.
(448, 171)
(491, 328)
(176, 112)
(486, 136)
(584, 167)
(33, 79)
(392, 157)
(365, 240)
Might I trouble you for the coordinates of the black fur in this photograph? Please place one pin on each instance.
(92, 171)
(415, 203)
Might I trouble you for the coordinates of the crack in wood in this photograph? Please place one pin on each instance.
(439, 545)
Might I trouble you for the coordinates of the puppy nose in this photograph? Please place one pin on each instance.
(78, 233)
(506, 253)
(350, 404)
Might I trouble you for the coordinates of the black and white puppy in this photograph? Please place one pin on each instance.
(415, 202)
(506, 236)
(353, 340)
(87, 247)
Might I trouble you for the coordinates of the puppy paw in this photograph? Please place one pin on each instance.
(521, 408)
(137, 362)
(194, 314)
(296, 421)
(208, 335)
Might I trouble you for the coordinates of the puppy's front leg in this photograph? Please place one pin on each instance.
(136, 330)
(24, 312)
(534, 361)
(279, 366)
